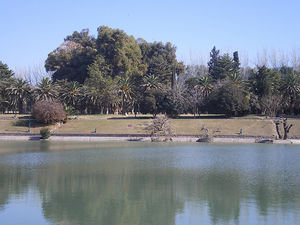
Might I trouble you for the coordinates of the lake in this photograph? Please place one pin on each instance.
(148, 184)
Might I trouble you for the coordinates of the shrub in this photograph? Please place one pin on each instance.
(160, 129)
(229, 99)
(45, 133)
(49, 112)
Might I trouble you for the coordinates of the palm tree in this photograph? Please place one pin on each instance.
(45, 90)
(151, 82)
(290, 88)
(125, 88)
(205, 86)
(19, 93)
(236, 79)
(70, 93)
(90, 99)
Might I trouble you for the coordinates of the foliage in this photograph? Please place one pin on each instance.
(49, 112)
(212, 64)
(290, 88)
(5, 73)
(120, 51)
(264, 81)
(6, 79)
(71, 59)
(152, 100)
(116, 73)
(161, 61)
(221, 67)
(45, 133)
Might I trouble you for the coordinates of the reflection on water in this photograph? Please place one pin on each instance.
(149, 184)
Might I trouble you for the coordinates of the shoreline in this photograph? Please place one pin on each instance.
(144, 138)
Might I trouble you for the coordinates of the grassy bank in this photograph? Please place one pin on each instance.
(109, 124)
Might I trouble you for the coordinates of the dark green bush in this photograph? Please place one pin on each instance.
(45, 133)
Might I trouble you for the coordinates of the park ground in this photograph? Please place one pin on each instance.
(251, 125)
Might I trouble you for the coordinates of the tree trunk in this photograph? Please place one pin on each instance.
(286, 128)
(20, 105)
(277, 123)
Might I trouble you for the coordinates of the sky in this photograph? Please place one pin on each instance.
(31, 29)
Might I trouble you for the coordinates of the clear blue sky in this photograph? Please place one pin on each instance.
(31, 29)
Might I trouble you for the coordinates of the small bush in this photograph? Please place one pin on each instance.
(160, 129)
(45, 133)
(49, 112)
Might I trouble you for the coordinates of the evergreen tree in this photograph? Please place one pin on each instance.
(264, 82)
(214, 57)
(224, 67)
(6, 79)
(5, 73)
(236, 63)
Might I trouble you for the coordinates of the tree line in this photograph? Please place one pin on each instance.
(116, 73)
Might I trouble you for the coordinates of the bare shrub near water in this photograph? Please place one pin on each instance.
(48, 112)
(160, 129)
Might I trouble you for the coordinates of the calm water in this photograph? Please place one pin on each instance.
(148, 184)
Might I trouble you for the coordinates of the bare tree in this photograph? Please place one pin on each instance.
(262, 58)
(295, 59)
(285, 129)
(271, 104)
(33, 74)
(273, 58)
(283, 58)
(195, 99)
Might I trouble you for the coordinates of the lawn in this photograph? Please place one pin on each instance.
(118, 124)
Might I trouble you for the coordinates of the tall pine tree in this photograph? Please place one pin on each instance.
(214, 57)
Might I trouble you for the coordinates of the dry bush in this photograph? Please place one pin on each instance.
(49, 112)
(160, 129)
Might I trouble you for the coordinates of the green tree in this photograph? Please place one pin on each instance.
(5, 73)
(161, 61)
(120, 51)
(103, 89)
(236, 63)
(6, 79)
(71, 59)
(229, 99)
(224, 67)
(221, 67)
(264, 82)
(214, 57)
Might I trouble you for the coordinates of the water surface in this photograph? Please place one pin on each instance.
(148, 184)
